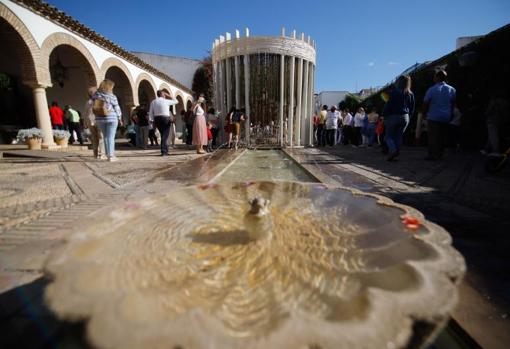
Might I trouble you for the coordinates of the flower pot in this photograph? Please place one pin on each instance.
(34, 143)
(62, 142)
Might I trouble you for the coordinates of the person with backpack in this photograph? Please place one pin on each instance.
(90, 122)
(108, 115)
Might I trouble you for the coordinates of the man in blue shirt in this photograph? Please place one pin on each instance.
(438, 106)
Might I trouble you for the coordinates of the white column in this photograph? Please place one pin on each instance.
(299, 106)
(228, 84)
(221, 87)
(43, 116)
(282, 96)
(290, 121)
(215, 86)
(310, 99)
(247, 96)
(305, 115)
(237, 79)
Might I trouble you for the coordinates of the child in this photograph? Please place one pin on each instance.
(209, 137)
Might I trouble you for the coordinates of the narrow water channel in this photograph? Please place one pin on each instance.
(265, 165)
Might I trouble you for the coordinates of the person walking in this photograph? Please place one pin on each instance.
(331, 126)
(152, 133)
(172, 135)
(159, 112)
(229, 125)
(497, 113)
(396, 115)
(189, 119)
(359, 120)
(73, 119)
(315, 126)
(347, 129)
(199, 126)
(321, 127)
(143, 127)
(108, 115)
(213, 119)
(438, 106)
(372, 118)
(236, 123)
(89, 121)
(57, 116)
(379, 130)
(209, 137)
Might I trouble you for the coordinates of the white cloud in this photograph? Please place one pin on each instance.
(393, 63)
(371, 64)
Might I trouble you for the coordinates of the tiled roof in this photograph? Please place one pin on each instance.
(55, 15)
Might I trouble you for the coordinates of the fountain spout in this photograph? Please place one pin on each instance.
(259, 207)
(257, 220)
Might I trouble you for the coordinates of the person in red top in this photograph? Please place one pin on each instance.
(57, 116)
(209, 137)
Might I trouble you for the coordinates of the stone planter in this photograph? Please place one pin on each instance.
(63, 142)
(34, 143)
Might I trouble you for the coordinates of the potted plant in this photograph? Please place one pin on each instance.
(32, 137)
(61, 137)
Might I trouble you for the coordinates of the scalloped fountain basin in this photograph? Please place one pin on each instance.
(324, 268)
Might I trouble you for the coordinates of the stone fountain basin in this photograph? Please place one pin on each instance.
(328, 267)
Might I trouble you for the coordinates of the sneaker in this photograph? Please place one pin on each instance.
(113, 159)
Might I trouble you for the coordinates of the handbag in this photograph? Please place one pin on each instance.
(100, 107)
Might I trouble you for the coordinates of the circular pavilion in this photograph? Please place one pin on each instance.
(272, 78)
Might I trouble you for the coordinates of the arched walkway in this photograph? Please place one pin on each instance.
(146, 88)
(146, 93)
(17, 78)
(167, 89)
(114, 62)
(90, 68)
(123, 89)
(71, 74)
(27, 50)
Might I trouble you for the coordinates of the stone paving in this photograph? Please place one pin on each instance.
(457, 193)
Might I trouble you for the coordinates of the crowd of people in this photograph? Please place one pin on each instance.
(332, 127)
(201, 126)
(102, 116)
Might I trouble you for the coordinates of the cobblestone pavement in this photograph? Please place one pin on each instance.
(31, 188)
(460, 195)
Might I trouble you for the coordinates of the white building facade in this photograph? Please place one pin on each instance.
(272, 78)
(49, 56)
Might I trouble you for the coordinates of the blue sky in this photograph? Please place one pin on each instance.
(359, 43)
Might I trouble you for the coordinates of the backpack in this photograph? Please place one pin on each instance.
(100, 107)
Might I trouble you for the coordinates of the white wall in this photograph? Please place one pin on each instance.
(179, 68)
(330, 98)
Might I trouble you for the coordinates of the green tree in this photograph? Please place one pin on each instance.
(352, 102)
(203, 79)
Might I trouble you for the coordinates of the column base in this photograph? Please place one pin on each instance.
(51, 146)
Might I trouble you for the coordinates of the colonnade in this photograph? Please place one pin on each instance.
(295, 79)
